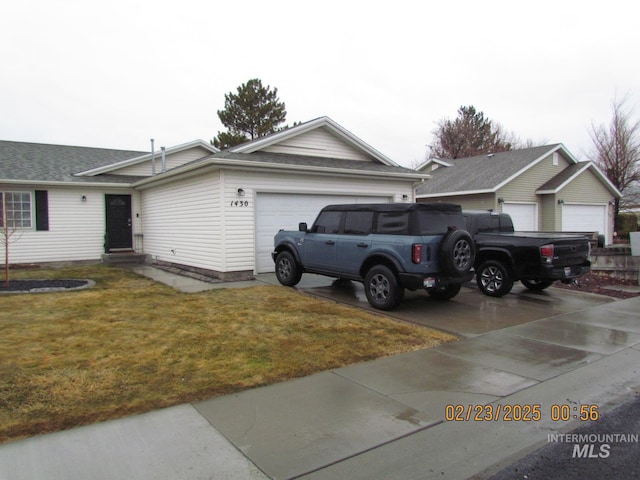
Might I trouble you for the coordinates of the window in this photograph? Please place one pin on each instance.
(393, 223)
(328, 222)
(358, 223)
(18, 205)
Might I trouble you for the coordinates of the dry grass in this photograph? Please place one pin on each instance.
(131, 345)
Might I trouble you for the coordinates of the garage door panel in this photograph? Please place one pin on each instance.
(276, 211)
(524, 216)
(584, 218)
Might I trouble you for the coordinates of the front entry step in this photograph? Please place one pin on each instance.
(121, 258)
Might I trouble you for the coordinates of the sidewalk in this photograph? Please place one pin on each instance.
(379, 419)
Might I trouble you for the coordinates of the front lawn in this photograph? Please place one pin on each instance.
(130, 345)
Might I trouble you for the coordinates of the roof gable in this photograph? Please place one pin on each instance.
(485, 173)
(570, 173)
(321, 137)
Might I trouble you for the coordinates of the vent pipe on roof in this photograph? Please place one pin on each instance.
(164, 159)
(153, 159)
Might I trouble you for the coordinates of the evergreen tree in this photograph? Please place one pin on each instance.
(253, 112)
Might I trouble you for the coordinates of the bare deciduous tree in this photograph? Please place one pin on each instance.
(616, 151)
(470, 134)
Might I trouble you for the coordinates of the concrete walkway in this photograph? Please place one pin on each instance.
(382, 419)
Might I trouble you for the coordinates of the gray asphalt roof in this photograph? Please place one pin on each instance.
(320, 162)
(483, 172)
(59, 163)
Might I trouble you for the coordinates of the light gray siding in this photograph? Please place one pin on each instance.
(523, 188)
(76, 228)
(318, 143)
(181, 222)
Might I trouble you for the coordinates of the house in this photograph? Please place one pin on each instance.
(542, 188)
(189, 205)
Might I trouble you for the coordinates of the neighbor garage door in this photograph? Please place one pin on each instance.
(275, 211)
(584, 218)
(523, 216)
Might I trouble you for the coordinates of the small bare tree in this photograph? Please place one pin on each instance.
(616, 150)
(8, 233)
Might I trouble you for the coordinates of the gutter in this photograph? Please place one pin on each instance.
(232, 163)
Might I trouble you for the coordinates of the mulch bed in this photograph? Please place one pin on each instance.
(42, 285)
(594, 283)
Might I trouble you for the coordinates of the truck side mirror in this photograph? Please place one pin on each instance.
(302, 227)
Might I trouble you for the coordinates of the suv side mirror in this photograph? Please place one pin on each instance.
(302, 227)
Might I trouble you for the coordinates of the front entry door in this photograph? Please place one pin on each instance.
(119, 232)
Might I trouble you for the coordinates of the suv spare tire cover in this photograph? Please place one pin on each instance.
(457, 253)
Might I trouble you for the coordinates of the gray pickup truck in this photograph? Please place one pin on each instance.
(537, 259)
(388, 247)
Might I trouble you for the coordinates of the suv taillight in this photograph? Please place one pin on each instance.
(546, 252)
(416, 253)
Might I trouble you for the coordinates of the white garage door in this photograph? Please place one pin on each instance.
(275, 211)
(584, 218)
(524, 216)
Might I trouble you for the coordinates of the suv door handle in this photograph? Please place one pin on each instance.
(363, 245)
(330, 242)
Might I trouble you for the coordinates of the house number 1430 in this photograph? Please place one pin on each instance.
(239, 203)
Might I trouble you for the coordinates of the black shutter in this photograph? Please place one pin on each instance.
(42, 210)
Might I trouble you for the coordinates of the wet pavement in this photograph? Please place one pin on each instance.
(386, 418)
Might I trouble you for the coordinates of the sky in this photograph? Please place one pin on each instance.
(116, 74)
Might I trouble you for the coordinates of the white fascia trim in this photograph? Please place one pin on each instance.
(292, 132)
(146, 157)
(45, 183)
(244, 164)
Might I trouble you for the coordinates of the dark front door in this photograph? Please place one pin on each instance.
(119, 231)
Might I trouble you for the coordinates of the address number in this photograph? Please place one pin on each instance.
(239, 203)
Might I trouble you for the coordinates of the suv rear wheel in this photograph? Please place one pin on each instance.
(382, 289)
(287, 270)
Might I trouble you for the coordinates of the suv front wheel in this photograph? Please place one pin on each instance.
(287, 270)
(382, 289)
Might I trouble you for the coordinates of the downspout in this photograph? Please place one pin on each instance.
(164, 159)
(153, 159)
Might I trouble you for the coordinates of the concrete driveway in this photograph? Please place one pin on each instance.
(468, 314)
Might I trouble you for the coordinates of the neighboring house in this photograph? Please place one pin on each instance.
(542, 188)
(211, 211)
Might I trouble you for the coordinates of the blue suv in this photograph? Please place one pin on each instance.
(388, 247)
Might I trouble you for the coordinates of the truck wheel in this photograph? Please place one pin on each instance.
(494, 279)
(445, 293)
(537, 285)
(287, 270)
(382, 289)
(457, 253)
